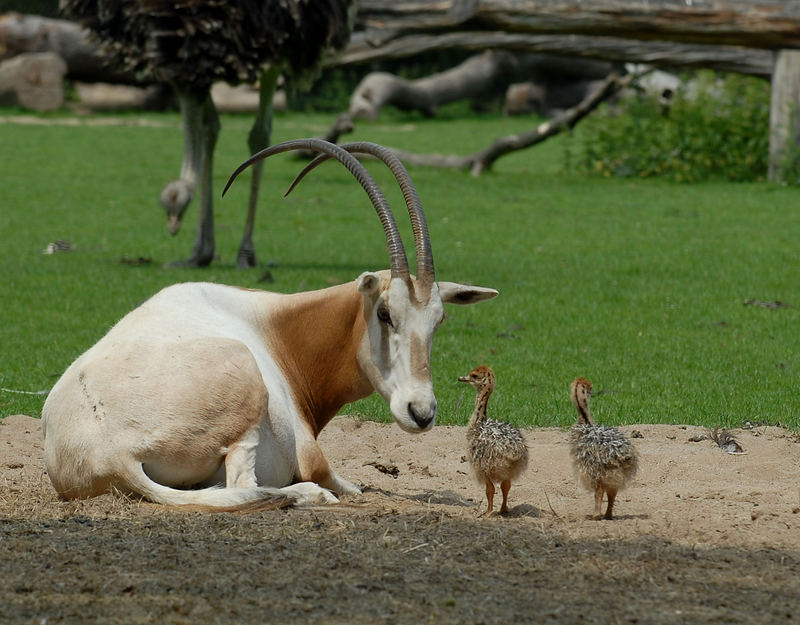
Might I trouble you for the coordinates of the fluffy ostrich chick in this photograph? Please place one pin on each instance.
(496, 450)
(604, 458)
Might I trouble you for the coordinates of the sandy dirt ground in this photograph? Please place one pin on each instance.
(702, 536)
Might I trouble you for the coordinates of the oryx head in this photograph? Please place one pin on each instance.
(401, 311)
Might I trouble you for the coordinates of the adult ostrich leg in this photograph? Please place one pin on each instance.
(191, 44)
(200, 130)
(257, 140)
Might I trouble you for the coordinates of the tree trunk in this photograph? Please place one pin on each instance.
(33, 81)
(771, 24)
(784, 138)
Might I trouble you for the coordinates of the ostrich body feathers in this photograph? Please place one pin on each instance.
(496, 450)
(602, 455)
(198, 42)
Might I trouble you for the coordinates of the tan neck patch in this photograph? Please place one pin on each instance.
(314, 337)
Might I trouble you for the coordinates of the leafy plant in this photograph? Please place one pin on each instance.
(715, 128)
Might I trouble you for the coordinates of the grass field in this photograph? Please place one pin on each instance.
(637, 284)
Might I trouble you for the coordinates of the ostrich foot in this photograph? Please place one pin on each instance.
(246, 258)
(194, 261)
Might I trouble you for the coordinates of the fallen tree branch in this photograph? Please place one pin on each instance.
(479, 75)
(484, 159)
(769, 24)
(723, 58)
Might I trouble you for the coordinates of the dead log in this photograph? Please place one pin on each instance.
(31, 33)
(477, 76)
(383, 41)
(666, 54)
(33, 81)
(390, 30)
(769, 24)
(483, 160)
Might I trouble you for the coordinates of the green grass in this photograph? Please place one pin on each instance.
(638, 285)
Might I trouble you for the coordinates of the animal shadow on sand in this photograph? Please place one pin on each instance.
(442, 498)
(524, 510)
(620, 517)
(449, 498)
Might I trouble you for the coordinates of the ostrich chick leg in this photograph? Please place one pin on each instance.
(612, 495)
(258, 139)
(598, 502)
(201, 129)
(489, 496)
(505, 486)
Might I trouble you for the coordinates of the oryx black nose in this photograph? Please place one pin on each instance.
(423, 418)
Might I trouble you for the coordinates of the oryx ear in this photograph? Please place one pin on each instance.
(368, 283)
(454, 293)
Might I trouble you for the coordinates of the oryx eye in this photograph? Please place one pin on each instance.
(384, 316)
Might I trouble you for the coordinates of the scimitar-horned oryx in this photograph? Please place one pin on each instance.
(206, 385)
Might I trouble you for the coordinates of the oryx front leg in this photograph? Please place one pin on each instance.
(338, 484)
(314, 467)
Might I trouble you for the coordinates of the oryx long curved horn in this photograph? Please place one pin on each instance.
(397, 253)
(426, 274)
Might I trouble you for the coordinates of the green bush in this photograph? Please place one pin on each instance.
(715, 129)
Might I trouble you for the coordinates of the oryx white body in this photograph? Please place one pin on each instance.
(206, 385)
(198, 386)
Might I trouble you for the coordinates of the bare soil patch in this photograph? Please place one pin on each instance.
(702, 536)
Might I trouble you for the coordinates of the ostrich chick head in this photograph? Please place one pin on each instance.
(480, 377)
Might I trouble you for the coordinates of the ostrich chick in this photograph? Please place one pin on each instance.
(496, 450)
(604, 458)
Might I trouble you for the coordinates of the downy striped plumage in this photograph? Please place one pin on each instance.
(604, 458)
(496, 450)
